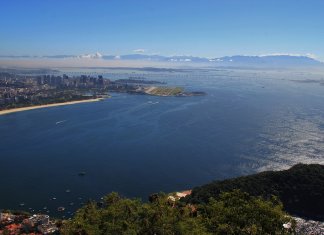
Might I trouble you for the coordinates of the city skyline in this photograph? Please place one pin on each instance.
(204, 29)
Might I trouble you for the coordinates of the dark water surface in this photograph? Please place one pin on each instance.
(137, 145)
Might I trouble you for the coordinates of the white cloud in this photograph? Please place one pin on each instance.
(97, 55)
(309, 55)
(139, 50)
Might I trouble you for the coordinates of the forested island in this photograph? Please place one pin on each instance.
(257, 204)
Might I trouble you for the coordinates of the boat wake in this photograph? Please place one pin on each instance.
(151, 102)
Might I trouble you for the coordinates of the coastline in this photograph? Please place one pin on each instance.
(8, 111)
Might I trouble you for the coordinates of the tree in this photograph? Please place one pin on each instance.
(238, 213)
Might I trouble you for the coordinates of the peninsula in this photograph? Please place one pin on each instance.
(21, 92)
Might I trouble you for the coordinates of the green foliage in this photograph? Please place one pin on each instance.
(163, 216)
(301, 189)
(120, 216)
(231, 213)
(238, 213)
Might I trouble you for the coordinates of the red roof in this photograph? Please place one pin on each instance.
(13, 227)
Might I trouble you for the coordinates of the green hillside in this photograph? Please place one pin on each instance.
(300, 189)
(233, 213)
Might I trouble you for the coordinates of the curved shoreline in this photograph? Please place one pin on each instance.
(8, 111)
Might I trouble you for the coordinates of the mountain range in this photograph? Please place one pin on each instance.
(279, 60)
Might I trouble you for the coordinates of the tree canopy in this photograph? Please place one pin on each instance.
(231, 213)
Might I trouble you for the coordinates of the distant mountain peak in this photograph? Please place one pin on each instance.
(280, 60)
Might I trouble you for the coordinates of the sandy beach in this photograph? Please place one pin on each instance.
(3, 112)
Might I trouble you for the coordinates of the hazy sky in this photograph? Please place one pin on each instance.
(209, 28)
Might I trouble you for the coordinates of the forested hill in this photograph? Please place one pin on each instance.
(300, 188)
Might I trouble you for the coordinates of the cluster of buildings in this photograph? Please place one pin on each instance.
(24, 224)
(65, 81)
(309, 227)
(18, 90)
(26, 90)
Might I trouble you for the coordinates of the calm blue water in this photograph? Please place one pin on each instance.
(137, 145)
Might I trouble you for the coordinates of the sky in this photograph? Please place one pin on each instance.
(207, 28)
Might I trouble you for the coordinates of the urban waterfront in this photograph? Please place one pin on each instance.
(136, 145)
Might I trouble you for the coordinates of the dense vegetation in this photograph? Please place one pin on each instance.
(231, 213)
(300, 189)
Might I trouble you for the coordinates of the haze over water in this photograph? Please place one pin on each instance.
(137, 145)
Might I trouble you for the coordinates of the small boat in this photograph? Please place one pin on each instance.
(68, 191)
(22, 204)
(53, 198)
(61, 208)
(59, 122)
